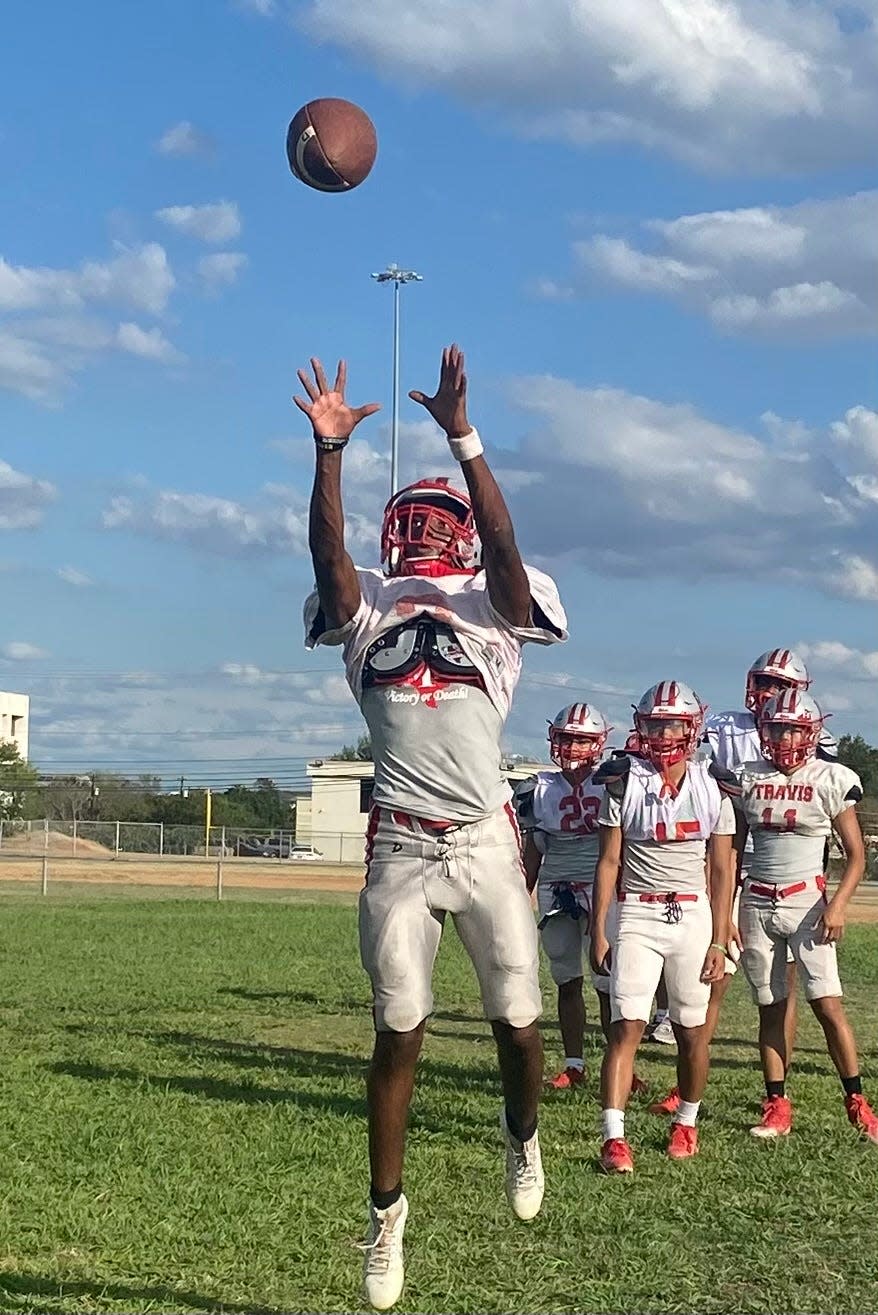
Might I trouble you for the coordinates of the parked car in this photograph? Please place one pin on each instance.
(275, 847)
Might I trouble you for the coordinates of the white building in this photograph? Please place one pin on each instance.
(334, 820)
(14, 717)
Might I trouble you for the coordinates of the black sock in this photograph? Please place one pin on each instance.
(774, 1088)
(384, 1200)
(519, 1133)
(852, 1086)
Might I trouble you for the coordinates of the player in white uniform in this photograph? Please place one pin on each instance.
(432, 652)
(791, 801)
(732, 738)
(558, 815)
(662, 813)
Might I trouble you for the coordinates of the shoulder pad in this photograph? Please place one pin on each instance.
(827, 753)
(523, 802)
(613, 775)
(726, 780)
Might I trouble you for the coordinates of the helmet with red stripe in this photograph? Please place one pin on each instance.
(772, 672)
(668, 721)
(578, 736)
(428, 529)
(789, 728)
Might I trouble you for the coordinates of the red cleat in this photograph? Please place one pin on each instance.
(777, 1118)
(567, 1080)
(862, 1116)
(683, 1141)
(669, 1105)
(638, 1086)
(616, 1156)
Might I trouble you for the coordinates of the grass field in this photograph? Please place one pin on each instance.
(182, 1131)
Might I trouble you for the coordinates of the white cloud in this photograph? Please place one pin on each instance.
(755, 85)
(239, 720)
(832, 655)
(626, 485)
(138, 276)
(219, 222)
(50, 331)
(183, 139)
(221, 269)
(18, 651)
(23, 498)
(264, 8)
(675, 493)
(25, 368)
(216, 525)
(805, 270)
(151, 344)
(72, 576)
(332, 690)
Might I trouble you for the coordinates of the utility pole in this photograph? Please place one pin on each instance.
(393, 274)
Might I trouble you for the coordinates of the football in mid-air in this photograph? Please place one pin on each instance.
(331, 144)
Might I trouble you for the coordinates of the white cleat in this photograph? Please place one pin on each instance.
(383, 1265)
(524, 1173)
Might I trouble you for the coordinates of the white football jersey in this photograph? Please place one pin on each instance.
(459, 601)
(790, 817)
(733, 739)
(665, 837)
(563, 820)
(433, 667)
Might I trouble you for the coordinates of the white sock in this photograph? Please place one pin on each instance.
(571, 1061)
(613, 1124)
(687, 1112)
(660, 1015)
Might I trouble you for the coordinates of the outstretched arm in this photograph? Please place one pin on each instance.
(508, 585)
(332, 422)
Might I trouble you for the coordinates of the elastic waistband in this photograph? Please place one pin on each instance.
(426, 825)
(775, 892)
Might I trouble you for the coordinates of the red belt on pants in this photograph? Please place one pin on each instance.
(783, 892)
(659, 897)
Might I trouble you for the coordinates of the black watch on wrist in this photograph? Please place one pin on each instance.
(331, 444)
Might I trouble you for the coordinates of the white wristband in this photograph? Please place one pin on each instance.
(466, 447)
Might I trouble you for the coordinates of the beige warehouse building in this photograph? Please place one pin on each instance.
(333, 820)
(14, 718)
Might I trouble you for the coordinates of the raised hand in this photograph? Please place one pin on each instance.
(448, 404)
(330, 415)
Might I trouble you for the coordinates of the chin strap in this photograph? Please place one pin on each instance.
(430, 567)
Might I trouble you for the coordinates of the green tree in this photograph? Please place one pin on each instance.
(862, 758)
(361, 752)
(18, 781)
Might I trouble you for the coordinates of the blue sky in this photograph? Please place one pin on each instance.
(654, 230)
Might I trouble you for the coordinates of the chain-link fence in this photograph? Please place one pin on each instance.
(121, 854)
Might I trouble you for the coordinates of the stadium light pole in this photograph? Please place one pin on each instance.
(393, 274)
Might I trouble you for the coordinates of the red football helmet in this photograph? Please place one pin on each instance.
(578, 737)
(772, 672)
(789, 728)
(668, 720)
(428, 529)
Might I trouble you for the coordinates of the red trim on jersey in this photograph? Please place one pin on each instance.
(371, 832)
(513, 822)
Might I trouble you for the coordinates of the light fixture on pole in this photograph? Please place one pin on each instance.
(393, 274)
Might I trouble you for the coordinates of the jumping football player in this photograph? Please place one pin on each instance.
(432, 651)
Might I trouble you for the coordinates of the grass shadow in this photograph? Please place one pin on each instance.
(31, 1286)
